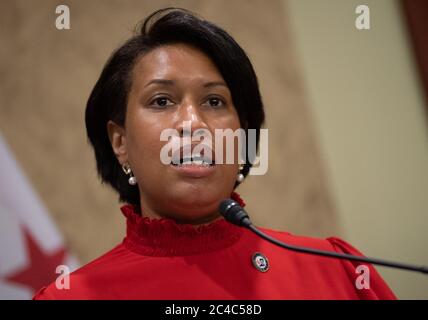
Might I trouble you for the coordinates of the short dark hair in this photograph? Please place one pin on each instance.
(108, 99)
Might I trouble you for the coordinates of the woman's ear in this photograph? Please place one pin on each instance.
(116, 134)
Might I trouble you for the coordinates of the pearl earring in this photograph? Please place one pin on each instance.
(127, 169)
(240, 177)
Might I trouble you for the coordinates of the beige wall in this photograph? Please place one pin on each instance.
(368, 109)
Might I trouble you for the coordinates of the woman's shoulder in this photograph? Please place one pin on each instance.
(87, 273)
(332, 244)
(327, 243)
(367, 282)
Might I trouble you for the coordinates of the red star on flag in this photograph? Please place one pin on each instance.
(40, 270)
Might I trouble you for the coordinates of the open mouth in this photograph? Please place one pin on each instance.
(188, 157)
(193, 161)
(193, 164)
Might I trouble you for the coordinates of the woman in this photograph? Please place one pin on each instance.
(179, 70)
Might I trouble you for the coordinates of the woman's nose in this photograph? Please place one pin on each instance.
(190, 118)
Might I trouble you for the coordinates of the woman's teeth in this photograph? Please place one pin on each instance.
(199, 161)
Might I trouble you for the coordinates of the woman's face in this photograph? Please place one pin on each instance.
(172, 84)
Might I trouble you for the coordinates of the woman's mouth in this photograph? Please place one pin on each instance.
(194, 167)
(197, 160)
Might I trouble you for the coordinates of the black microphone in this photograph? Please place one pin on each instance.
(234, 213)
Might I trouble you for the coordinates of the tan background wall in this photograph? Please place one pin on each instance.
(46, 76)
(367, 103)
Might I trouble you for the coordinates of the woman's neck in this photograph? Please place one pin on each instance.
(195, 221)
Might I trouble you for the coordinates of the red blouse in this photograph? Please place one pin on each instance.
(160, 259)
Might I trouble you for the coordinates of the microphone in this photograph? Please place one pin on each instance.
(234, 213)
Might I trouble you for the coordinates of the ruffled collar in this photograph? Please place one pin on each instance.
(165, 237)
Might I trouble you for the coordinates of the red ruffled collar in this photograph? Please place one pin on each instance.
(165, 237)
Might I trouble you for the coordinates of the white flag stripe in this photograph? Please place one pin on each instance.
(17, 196)
(13, 248)
(21, 209)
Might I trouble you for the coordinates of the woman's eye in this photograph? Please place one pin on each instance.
(161, 102)
(215, 102)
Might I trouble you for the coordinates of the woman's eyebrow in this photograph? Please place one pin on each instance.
(172, 82)
(214, 83)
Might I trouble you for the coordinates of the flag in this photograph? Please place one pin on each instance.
(31, 248)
